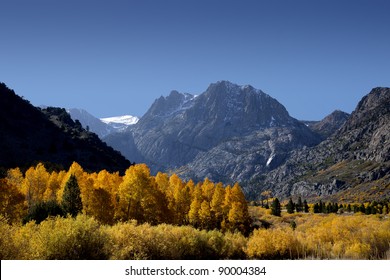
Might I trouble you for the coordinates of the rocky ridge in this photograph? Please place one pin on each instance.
(355, 160)
(30, 135)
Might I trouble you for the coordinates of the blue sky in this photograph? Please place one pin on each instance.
(116, 57)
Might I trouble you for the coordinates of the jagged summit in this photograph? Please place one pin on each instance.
(227, 133)
(367, 110)
(246, 105)
(330, 124)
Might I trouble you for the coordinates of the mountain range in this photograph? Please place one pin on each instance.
(238, 133)
(228, 133)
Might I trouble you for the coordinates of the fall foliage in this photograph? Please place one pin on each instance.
(141, 216)
(111, 198)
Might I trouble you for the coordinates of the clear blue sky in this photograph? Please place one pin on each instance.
(116, 57)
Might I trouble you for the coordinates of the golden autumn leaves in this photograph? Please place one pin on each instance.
(140, 216)
(109, 197)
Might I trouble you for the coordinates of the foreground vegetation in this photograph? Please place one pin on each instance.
(314, 237)
(81, 215)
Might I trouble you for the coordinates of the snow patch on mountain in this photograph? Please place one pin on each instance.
(124, 120)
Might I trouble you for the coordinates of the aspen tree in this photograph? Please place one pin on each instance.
(216, 205)
(35, 184)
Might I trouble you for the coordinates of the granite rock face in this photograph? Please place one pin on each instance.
(355, 159)
(228, 133)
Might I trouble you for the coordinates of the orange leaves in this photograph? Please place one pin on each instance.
(138, 195)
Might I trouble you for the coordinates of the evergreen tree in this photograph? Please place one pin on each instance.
(317, 208)
(41, 210)
(305, 206)
(335, 208)
(71, 199)
(299, 205)
(290, 206)
(321, 207)
(362, 208)
(276, 208)
(368, 210)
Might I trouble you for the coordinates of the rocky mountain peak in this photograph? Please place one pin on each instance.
(227, 133)
(167, 105)
(369, 109)
(244, 106)
(330, 124)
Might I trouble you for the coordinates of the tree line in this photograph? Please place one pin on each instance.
(291, 207)
(111, 198)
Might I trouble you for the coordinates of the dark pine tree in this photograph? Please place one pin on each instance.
(276, 208)
(71, 199)
(305, 206)
(317, 208)
(362, 208)
(299, 205)
(290, 206)
(323, 207)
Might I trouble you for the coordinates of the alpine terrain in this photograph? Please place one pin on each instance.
(353, 164)
(228, 133)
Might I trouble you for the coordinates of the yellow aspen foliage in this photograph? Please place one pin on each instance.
(182, 196)
(357, 250)
(204, 215)
(35, 183)
(76, 170)
(208, 188)
(11, 202)
(53, 185)
(139, 197)
(162, 180)
(238, 216)
(109, 182)
(193, 214)
(173, 193)
(237, 195)
(216, 205)
(87, 194)
(272, 244)
(101, 207)
(227, 202)
(62, 178)
(15, 177)
(190, 185)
